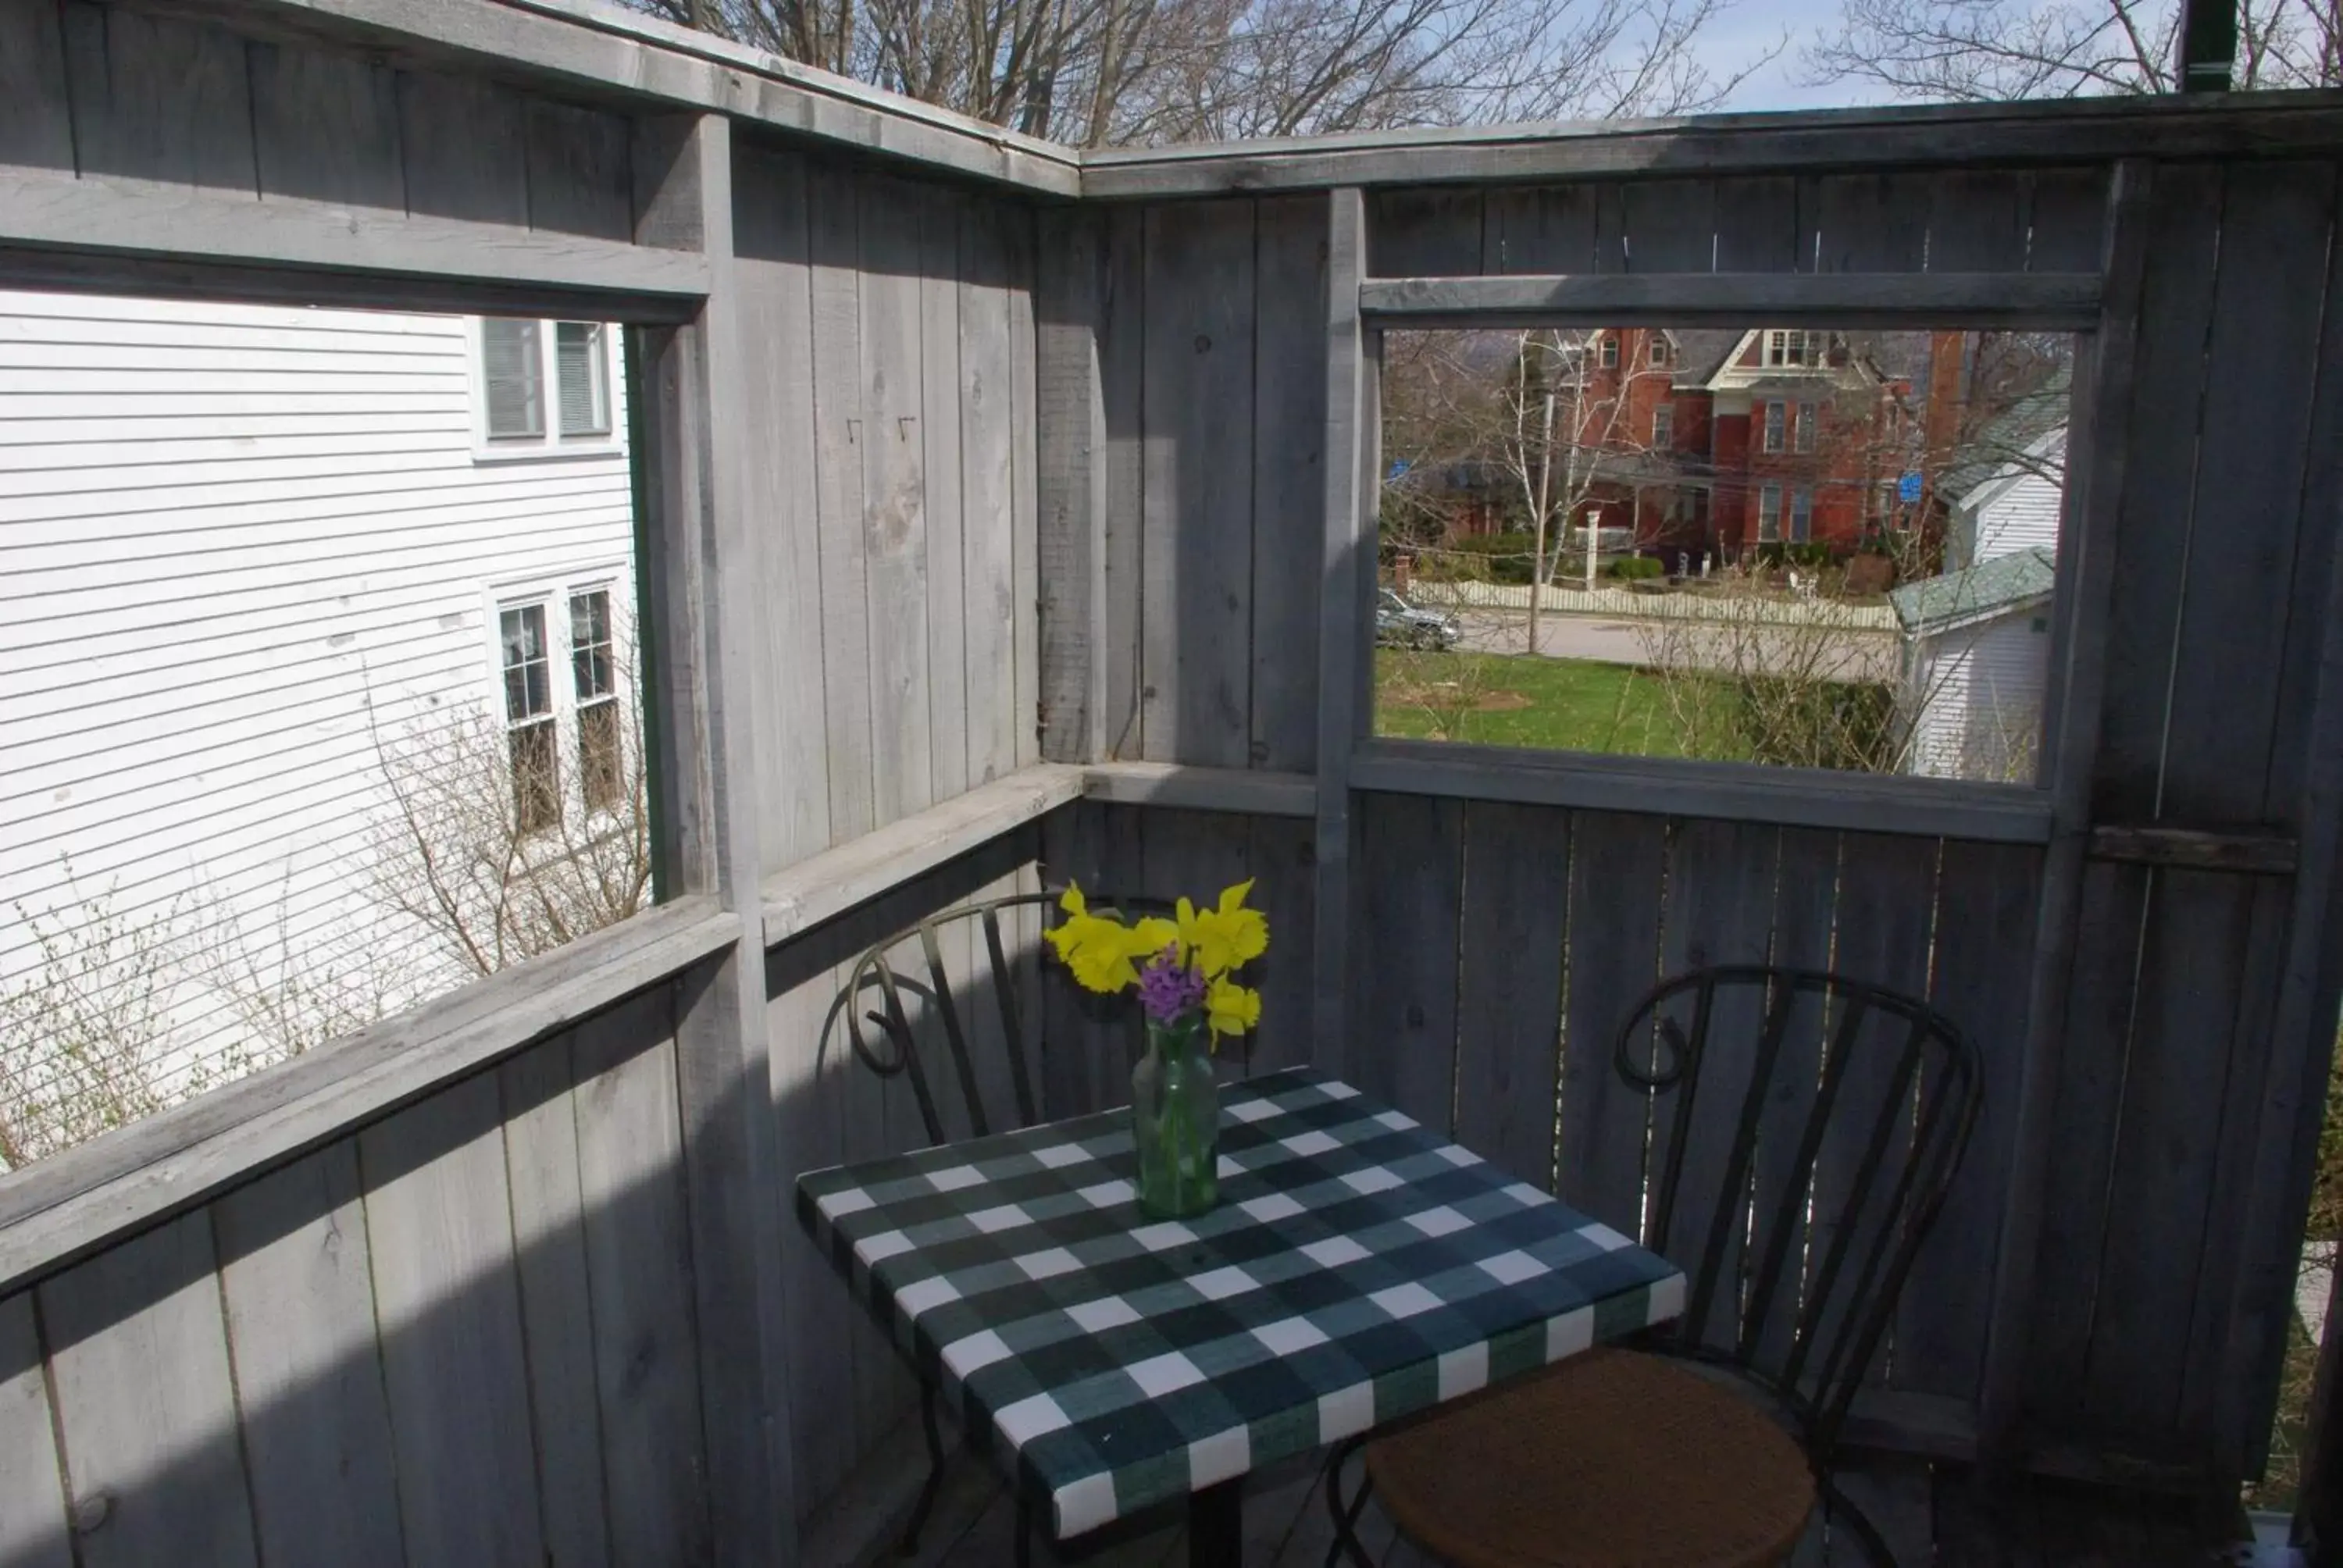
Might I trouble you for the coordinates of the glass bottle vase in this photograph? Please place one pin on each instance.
(1175, 1121)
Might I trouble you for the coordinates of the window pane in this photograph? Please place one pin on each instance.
(1805, 427)
(528, 688)
(512, 375)
(1773, 427)
(535, 778)
(581, 365)
(601, 770)
(589, 644)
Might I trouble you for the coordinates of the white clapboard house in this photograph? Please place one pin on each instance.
(243, 550)
(1977, 638)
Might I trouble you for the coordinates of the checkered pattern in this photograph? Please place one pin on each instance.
(1357, 1269)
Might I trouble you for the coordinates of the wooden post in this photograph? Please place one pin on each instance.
(1071, 468)
(1345, 648)
(2086, 568)
(699, 579)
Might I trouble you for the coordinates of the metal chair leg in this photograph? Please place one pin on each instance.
(1839, 1509)
(908, 1546)
(1347, 1519)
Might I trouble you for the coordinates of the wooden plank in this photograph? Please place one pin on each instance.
(997, 621)
(168, 230)
(1410, 893)
(2259, 380)
(2042, 301)
(1873, 223)
(1987, 897)
(895, 504)
(1251, 791)
(954, 536)
(146, 1403)
(1289, 486)
(35, 106)
(1426, 232)
(1720, 911)
(1070, 459)
(462, 143)
(1284, 889)
(1345, 656)
(2158, 505)
(2068, 218)
(580, 170)
(556, 1298)
(2253, 854)
(1757, 228)
(1509, 985)
(775, 286)
(299, 1300)
(1667, 225)
(35, 1529)
(1978, 222)
(1743, 792)
(837, 881)
(1122, 378)
(1539, 230)
(159, 97)
(77, 1200)
(1024, 379)
(1197, 507)
(439, 1233)
(639, 1260)
(1073, 852)
(840, 430)
(325, 128)
(1618, 865)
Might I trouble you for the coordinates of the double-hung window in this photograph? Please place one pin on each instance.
(1769, 514)
(1802, 515)
(1805, 428)
(1776, 414)
(565, 726)
(1663, 428)
(1610, 354)
(601, 765)
(543, 388)
(532, 744)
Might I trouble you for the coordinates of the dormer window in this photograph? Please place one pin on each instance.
(1792, 347)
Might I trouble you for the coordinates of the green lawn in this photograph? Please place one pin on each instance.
(1500, 700)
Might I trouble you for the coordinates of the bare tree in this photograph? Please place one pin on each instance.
(1996, 50)
(1138, 72)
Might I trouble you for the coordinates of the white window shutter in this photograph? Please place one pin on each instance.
(578, 362)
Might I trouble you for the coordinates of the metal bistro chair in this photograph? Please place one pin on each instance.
(897, 1053)
(1816, 1125)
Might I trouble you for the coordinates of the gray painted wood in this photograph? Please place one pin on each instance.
(1665, 226)
(146, 1403)
(1978, 220)
(299, 1299)
(953, 704)
(157, 97)
(1539, 230)
(556, 1298)
(1986, 898)
(1071, 460)
(2042, 301)
(325, 126)
(1123, 372)
(1509, 984)
(1873, 223)
(1284, 889)
(771, 272)
(1618, 866)
(983, 398)
(638, 1261)
(1289, 493)
(35, 1530)
(1197, 503)
(580, 170)
(1757, 227)
(1424, 233)
(35, 106)
(1025, 557)
(841, 432)
(2067, 218)
(1410, 893)
(895, 503)
(462, 143)
(439, 1232)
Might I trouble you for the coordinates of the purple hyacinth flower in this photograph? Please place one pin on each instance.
(1169, 988)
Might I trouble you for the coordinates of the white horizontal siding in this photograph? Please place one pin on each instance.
(1977, 700)
(2022, 509)
(225, 531)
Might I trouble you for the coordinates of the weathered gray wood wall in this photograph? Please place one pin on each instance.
(2181, 1099)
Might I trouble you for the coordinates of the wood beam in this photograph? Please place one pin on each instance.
(2038, 301)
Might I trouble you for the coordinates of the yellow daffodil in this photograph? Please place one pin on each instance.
(1217, 940)
(1100, 951)
(1231, 1008)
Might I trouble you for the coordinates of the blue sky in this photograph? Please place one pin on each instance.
(1750, 27)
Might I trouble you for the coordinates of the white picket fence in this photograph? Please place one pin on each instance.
(1627, 605)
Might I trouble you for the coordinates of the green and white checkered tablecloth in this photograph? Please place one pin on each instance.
(1358, 1268)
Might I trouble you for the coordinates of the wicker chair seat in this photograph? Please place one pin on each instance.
(1612, 1458)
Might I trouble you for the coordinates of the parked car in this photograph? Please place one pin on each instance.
(1398, 624)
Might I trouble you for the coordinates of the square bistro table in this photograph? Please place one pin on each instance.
(1357, 1269)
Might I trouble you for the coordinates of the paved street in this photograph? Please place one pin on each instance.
(1611, 641)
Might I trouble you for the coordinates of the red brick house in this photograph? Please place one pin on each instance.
(1723, 440)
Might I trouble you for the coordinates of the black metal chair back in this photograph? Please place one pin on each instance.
(898, 1051)
(1806, 1129)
